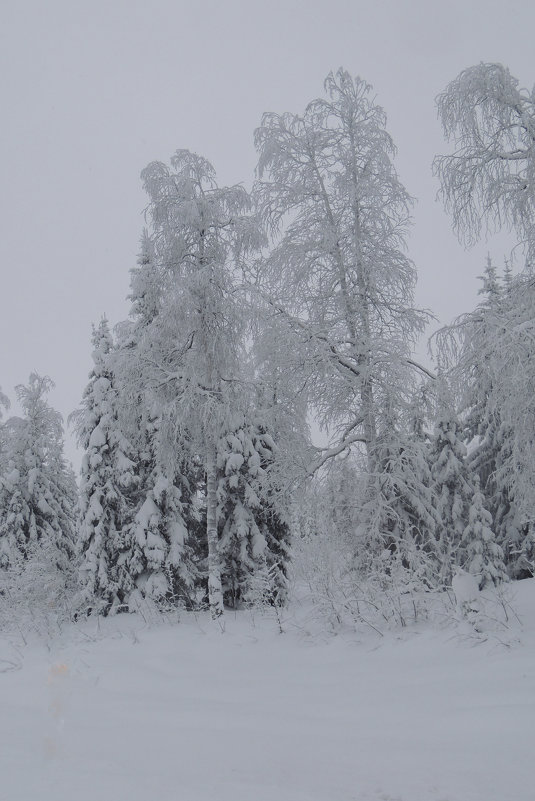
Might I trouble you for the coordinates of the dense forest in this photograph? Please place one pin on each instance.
(258, 320)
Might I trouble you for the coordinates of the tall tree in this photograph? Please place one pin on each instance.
(488, 355)
(108, 479)
(191, 349)
(338, 276)
(167, 507)
(489, 180)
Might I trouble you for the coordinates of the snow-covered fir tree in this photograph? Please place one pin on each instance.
(514, 396)
(487, 352)
(453, 491)
(107, 485)
(483, 557)
(4, 404)
(241, 544)
(274, 517)
(460, 502)
(396, 529)
(38, 489)
(480, 336)
(253, 534)
(161, 560)
(411, 514)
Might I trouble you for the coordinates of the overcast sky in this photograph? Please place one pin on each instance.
(93, 91)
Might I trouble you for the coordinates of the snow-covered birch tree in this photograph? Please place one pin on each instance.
(338, 275)
(191, 352)
(489, 179)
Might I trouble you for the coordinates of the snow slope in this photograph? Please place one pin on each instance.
(186, 713)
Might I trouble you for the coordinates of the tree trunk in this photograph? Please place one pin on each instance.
(215, 594)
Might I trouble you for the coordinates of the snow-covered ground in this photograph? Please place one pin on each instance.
(185, 713)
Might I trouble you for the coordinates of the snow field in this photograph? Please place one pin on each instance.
(186, 713)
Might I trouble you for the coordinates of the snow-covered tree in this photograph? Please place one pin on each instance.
(489, 179)
(14, 499)
(410, 515)
(37, 505)
(488, 356)
(160, 562)
(453, 490)
(514, 396)
(167, 506)
(337, 276)
(4, 404)
(107, 486)
(189, 348)
(242, 545)
(483, 556)
(254, 536)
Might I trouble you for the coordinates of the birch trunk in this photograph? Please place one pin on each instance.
(215, 593)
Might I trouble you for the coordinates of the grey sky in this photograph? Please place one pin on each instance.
(91, 92)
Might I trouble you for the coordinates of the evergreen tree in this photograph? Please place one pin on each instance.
(483, 556)
(400, 543)
(37, 505)
(108, 480)
(488, 182)
(274, 517)
(242, 546)
(15, 511)
(4, 403)
(253, 535)
(453, 492)
(161, 560)
(488, 354)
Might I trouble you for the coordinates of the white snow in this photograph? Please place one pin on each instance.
(97, 438)
(128, 711)
(465, 587)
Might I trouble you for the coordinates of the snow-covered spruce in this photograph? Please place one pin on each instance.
(483, 557)
(160, 559)
(37, 492)
(487, 355)
(107, 485)
(253, 537)
(453, 491)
